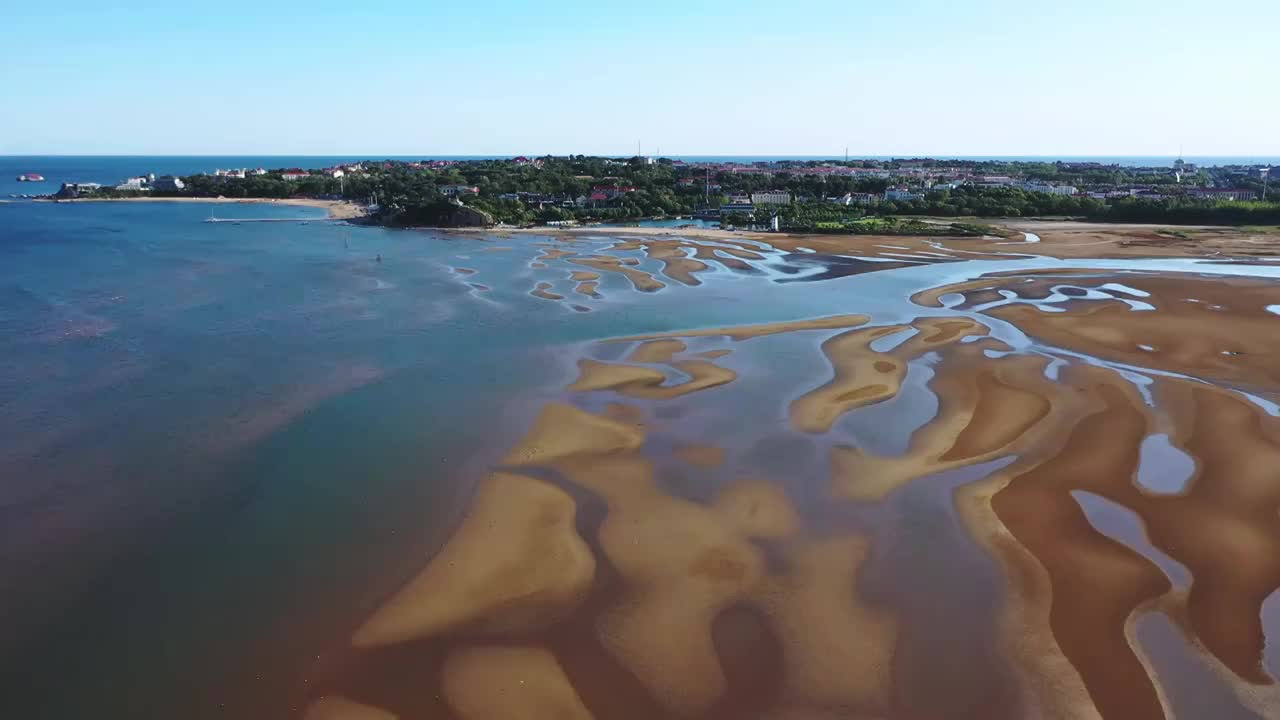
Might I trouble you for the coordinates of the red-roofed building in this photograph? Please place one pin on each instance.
(294, 174)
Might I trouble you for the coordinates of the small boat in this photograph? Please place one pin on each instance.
(30, 177)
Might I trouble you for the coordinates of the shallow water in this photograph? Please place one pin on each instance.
(250, 471)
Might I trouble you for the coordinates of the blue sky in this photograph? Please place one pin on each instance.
(1125, 77)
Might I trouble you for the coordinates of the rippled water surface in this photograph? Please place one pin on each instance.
(256, 471)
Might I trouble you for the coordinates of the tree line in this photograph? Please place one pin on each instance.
(408, 194)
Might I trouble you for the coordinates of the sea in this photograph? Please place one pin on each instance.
(224, 445)
(221, 444)
(105, 169)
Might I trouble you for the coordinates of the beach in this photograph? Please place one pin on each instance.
(1060, 239)
(337, 209)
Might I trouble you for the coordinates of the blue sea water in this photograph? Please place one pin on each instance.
(222, 445)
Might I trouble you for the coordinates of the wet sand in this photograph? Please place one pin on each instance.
(1084, 521)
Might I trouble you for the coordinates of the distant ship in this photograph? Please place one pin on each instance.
(31, 177)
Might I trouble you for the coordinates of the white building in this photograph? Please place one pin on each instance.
(78, 189)
(902, 195)
(136, 184)
(771, 197)
(1235, 195)
(168, 183)
(1047, 188)
(455, 190)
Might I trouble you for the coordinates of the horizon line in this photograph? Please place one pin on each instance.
(851, 156)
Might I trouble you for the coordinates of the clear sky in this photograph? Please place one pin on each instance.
(694, 77)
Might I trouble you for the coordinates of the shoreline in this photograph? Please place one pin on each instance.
(1062, 239)
(337, 209)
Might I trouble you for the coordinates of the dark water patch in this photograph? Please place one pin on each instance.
(830, 267)
(1193, 690)
(947, 593)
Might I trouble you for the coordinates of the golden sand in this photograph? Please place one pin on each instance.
(596, 375)
(1059, 239)
(515, 563)
(1065, 605)
(703, 375)
(711, 254)
(656, 351)
(647, 383)
(987, 409)
(675, 264)
(862, 377)
(629, 414)
(707, 456)
(682, 565)
(563, 431)
(836, 651)
(758, 509)
(555, 253)
(542, 290)
(746, 332)
(640, 280)
(337, 209)
(496, 682)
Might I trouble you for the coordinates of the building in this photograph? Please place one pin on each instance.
(1225, 194)
(771, 197)
(168, 183)
(294, 174)
(334, 172)
(1047, 188)
(238, 173)
(456, 190)
(135, 184)
(730, 208)
(78, 189)
(902, 195)
(612, 191)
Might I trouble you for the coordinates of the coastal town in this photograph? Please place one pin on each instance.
(830, 196)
